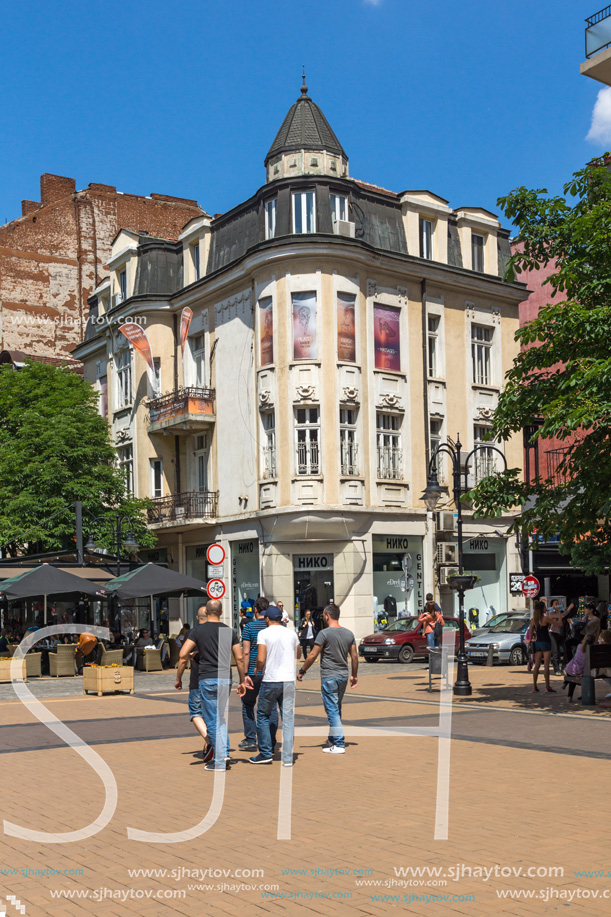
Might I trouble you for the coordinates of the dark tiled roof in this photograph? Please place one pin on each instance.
(305, 128)
(369, 187)
(18, 357)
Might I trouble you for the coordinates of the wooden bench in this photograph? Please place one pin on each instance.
(597, 660)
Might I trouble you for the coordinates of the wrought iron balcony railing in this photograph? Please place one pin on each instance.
(184, 507)
(390, 463)
(555, 472)
(598, 32)
(190, 408)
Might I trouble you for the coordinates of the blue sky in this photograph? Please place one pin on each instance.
(469, 99)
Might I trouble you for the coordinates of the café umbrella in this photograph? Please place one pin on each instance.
(46, 580)
(151, 579)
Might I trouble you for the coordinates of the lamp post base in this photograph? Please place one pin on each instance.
(462, 685)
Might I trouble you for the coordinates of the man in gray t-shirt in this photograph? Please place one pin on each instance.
(334, 645)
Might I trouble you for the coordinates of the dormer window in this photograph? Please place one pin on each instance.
(270, 219)
(122, 285)
(339, 207)
(426, 239)
(195, 260)
(314, 163)
(477, 252)
(304, 217)
(333, 166)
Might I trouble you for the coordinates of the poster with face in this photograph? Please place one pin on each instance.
(266, 330)
(346, 339)
(304, 326)
(386, 337)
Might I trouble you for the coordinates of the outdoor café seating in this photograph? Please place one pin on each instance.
(33, 665)
(111, 657)
(148, 660)
(61, 662)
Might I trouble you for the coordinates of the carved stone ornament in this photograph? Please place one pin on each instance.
(350, 393)
(402, 293)
(389, 400)
(122, 435)
(483, 413)
(496, 316)
(372, 287)
(306, 392)
(265, 397)
(235, 305)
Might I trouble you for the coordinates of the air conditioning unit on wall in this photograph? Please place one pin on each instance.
(447, 553)
(446, 521)
(344, 228)
(444, 572)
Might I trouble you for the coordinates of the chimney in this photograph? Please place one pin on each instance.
(29, 207)
(55, 187)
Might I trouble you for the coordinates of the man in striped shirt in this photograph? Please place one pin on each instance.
(249, 700)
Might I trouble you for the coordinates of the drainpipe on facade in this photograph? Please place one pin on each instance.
(429, 540)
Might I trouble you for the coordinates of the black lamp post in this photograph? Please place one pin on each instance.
(431, 496)
(118, 541)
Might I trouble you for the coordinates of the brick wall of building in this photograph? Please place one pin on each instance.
(53, 257)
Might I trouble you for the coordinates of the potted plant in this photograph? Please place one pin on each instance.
(462, 581)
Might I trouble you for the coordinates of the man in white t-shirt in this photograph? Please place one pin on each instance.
(277, 649)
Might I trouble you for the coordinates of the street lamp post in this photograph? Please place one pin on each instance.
(431, 496)
(118, 541)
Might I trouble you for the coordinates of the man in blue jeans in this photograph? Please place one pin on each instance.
(215, 643)
(278, 647)
(335, 645)
(250, 635)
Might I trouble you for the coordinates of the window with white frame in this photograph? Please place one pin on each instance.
(339, 207)
(125, 461)
(307, 440)
(390, 456)
(123, 284)
(484, 457)
(304, 217)
(426, 238)
(433, 346)
(435, 437)
(195, 260)
(156, 478)
(477, 252)
(123, 374)
(270, 219)
(202, 453)
(155, 381)
(197, 345)
(268, 420)
(347, 441)
(481, 354)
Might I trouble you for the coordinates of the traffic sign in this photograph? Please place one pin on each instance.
(215, 554)
(216, 588)
(531, 586)
(216, 571)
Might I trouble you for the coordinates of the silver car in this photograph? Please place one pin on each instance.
(505, 639)
(496, 619)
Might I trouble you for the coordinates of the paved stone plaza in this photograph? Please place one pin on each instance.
(365, 817)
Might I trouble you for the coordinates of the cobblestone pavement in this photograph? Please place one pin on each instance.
(522, 797)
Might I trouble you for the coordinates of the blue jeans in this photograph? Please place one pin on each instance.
(195, 703)
(270, 694)
(249, 702)
(430, 639)
(333, 690)
(215, 698)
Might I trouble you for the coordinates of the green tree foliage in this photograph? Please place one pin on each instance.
(563, 376)
(55, 449)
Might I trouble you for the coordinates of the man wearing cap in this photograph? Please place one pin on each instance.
(250, 635)
(277, 649)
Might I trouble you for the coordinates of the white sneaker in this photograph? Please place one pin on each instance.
(335, 750)
(287, 763)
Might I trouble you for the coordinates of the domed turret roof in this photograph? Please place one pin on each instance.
(305, 128)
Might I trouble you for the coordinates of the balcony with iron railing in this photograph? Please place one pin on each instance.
(269, 463)
(183, 411)
(555, 472)
(349, 467)
(308, 460)
(598, 46)
(179, 509)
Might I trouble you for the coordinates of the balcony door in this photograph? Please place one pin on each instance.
(198, 357)
(202, 457)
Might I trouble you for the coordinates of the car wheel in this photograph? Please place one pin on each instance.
(517, 656)
(371, 659)
(406, 654)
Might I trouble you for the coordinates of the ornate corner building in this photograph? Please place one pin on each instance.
(308, 350)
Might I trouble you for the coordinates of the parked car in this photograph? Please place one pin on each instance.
(506, 640)
(494, 620)
(403, 640)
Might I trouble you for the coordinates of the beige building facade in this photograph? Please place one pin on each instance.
(337, 332)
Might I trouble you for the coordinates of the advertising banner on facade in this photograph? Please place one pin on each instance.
(172, 406)
(185, 323)
(386, 336)
(139, 341)
(346, 332)
(266, 330)
(304, 326)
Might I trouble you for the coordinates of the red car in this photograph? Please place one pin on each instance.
(402, 640)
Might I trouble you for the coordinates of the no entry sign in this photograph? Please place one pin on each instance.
(215, 554)
(216, 588)
(531, 587)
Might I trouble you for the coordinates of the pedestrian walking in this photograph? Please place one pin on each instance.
(278, 647)
(556, 633)
(335, 645)
(539, 627)
(285, 614)
(215, 642)
(307, 633)
(250, 635)
(438, 626)
(428, 618)
(196, 713)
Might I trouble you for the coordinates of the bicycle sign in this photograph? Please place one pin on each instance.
(216, 589)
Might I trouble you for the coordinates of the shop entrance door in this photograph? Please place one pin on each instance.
(313, 590)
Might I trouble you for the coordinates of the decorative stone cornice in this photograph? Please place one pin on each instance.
(306, 392)
(390, 400)
(265, 398)
(350, 394)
